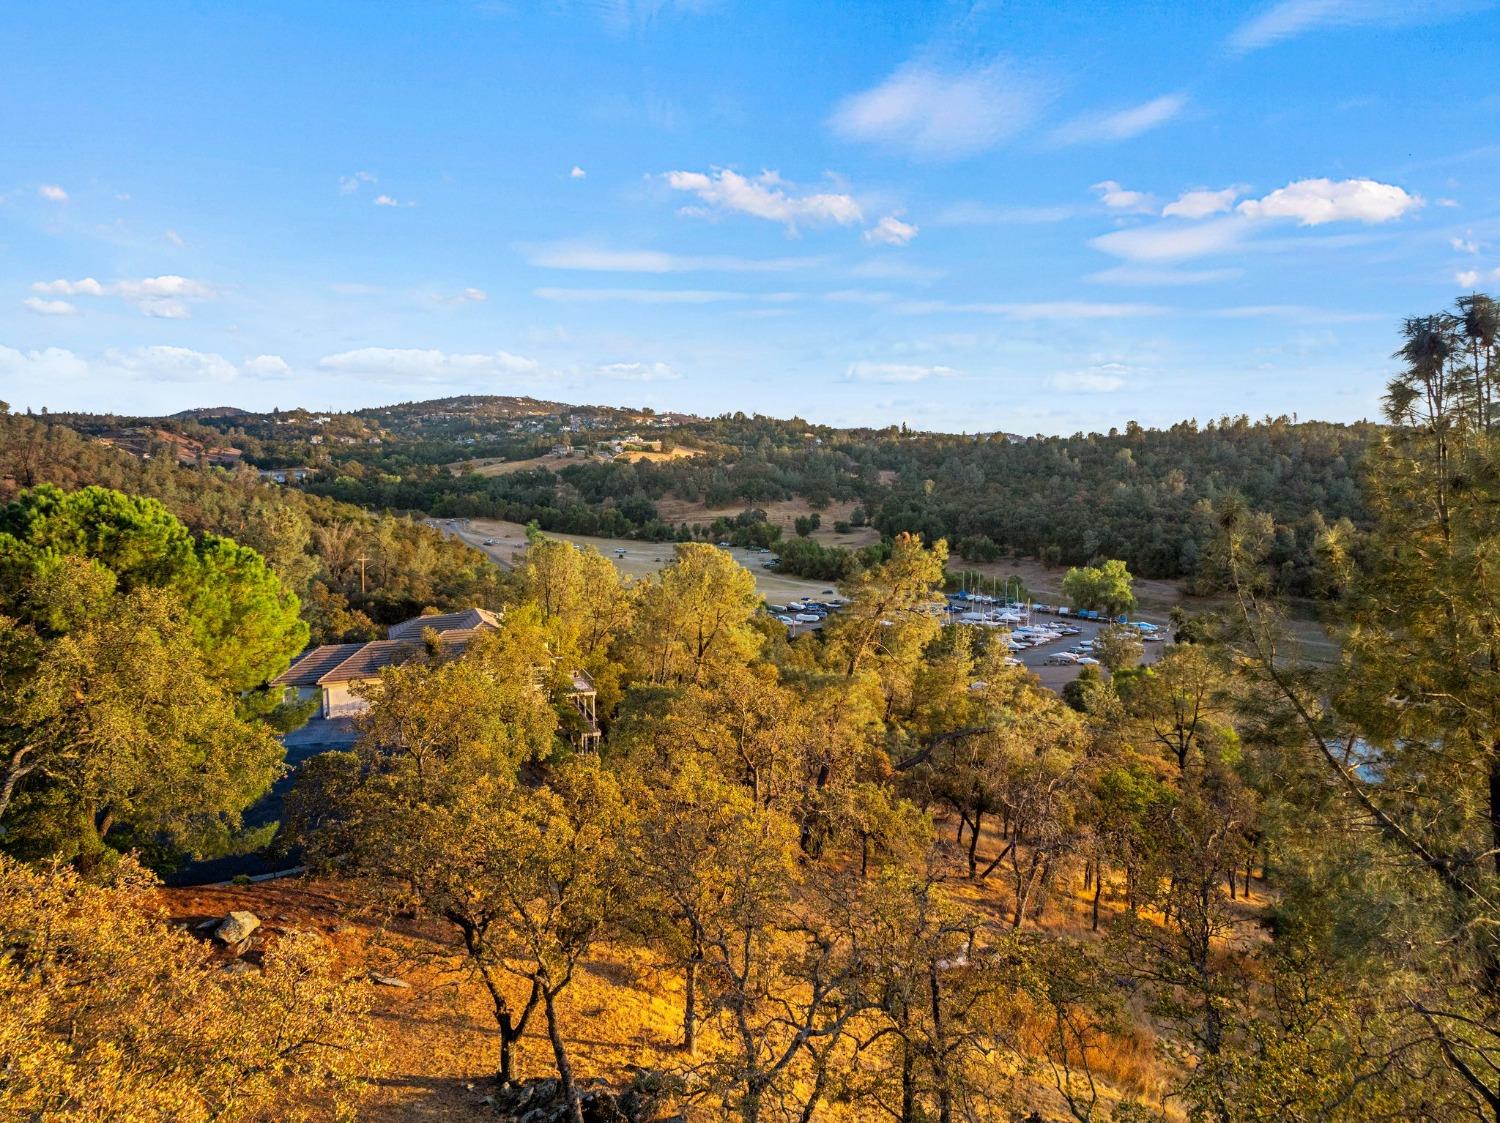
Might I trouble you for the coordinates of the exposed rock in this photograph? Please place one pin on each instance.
(235, 930)
(389, 981)
(540, 1101)
(238, 967)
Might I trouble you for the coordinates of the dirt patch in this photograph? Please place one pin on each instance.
(496, 466)
(647, 456)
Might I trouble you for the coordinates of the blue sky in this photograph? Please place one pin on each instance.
(1037, 217)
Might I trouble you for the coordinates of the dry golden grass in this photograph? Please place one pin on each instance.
(436, 1040)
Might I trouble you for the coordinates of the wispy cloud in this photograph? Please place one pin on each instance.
(1121, 124)
(1146, 277)
(587, 257)
(399, 364)
(463, 296)
(1103, 379)
(1173, 242)
(52, 193)
(863, 371)
(766, 196)
(989, 214)
(639, 372)
(1301, 313)
(1038, 310)
(649, 296)
(941, 114)
(1291, 18)
(349, 184)
(1202, 203)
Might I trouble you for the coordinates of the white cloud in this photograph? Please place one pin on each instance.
(1117, 198)
(45, 368)
(174, 237)
(766, 196)
(167, 285)
(1471, 277)
(1202, 203)
(414, 364)
(894, 372)
(1464, 245)
(48, 307)
(936, 114)
(1122, 124)
(1313, 202)
(1096, 380)
(349, 184)
(1146, 276)
(1173, 242)
(577, 173)
(891, 231)
(268, 366)
(386, 201)
(86, 287)
(163, 297)
(52, 193)
(589, 258)
(1290, 18)
(173, 364)
(639, 372)
(43, 374)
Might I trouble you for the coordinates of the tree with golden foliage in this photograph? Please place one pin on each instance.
(694, 619)
(108, 1015)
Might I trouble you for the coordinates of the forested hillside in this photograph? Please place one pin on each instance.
(1142, 495)
(352, 570)
(875, 870)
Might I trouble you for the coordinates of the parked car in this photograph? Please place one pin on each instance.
(489, 541)
(1061, 659)
(1087, 661)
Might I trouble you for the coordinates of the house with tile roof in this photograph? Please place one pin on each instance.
(333, 672)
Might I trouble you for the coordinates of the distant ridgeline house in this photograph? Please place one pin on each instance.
(331, 673)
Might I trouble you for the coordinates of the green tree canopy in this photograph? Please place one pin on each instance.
(1102, 588)
(242, 618)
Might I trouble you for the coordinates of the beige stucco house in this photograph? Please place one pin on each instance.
(331, 672)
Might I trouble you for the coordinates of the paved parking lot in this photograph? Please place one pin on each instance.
(1055, 678)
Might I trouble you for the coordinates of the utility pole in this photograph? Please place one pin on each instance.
(361, 561)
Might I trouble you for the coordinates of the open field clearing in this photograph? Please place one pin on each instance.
(638, 560)
(781, 512)
(495, 466)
